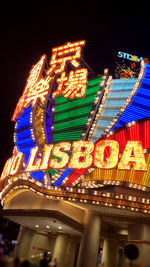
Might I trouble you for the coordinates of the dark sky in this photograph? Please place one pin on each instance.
(28, 30)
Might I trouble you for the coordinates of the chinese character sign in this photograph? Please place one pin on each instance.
(70, 52)
(70, 85)
(34, 88)
(73, 85)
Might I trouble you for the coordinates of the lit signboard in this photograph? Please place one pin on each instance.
(74, 131)
(84, 155)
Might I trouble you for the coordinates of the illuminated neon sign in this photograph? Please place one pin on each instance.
(104, 154)
(131, 57)
(78, 132)
(70, 85)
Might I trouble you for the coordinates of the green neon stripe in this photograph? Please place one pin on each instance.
(67, 139)
(67, 125)
(72, 113)
(95, 81)
(70, 136)
(52, 172)
(71, 133)
(77, 103)
(72, 123)
(92, 90)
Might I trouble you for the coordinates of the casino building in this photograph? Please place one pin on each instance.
(78, 178)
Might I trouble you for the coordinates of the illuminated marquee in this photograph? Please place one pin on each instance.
(75, 133)
(84, 155)
(76, 130)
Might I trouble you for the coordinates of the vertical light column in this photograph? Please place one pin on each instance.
(60, 249)
(110, 252)
(88, 251)
(139, 235)
(25, 239)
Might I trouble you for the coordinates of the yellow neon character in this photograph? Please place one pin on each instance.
(39, 91)
(34, 77)
(70, 52)
(57, 152)
(34, 163)
(73, 85)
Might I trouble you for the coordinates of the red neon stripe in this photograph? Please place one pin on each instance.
(137, 132)
(74, 176)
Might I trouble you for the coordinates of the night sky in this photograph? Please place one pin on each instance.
(27, 32)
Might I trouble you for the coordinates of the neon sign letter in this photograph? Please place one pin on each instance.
(133, 155)
(112, 160)
(81, 156)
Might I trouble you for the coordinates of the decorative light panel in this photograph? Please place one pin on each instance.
(65, 134)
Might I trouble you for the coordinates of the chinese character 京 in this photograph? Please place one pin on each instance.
(70, 52)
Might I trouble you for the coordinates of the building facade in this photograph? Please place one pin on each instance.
(78, 179)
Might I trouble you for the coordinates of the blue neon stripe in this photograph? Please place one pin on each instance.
(139, 107)
(37, 175)
(24, 139)
(62, 177)
(49, 124)
(26, 152)
(119, 91)
(25, 143)
(22, 124)
(23, 134)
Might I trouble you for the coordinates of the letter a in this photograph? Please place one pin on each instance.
(133, 154)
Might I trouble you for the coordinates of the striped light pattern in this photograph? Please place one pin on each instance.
(70, 118)
(23, 132)
(24, 137)
(131, 176)
(119, 91)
